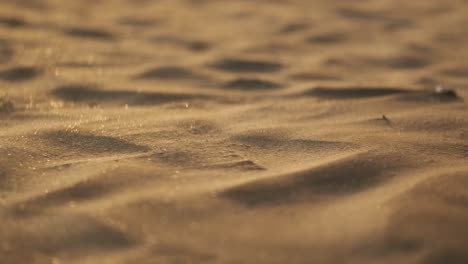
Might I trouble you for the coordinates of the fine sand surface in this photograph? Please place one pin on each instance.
(216, 131)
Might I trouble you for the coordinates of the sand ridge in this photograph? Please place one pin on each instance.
(196, 131)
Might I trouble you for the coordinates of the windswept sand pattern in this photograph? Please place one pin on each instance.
(263, 131)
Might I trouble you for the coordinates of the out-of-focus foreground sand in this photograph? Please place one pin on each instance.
(194, 131)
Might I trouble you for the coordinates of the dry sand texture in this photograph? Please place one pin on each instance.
(198, 131)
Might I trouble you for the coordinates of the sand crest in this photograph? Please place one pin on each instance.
(196, 131)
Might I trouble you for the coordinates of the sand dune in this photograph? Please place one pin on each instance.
(196, 131)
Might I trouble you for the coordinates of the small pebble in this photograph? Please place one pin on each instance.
(445, 91)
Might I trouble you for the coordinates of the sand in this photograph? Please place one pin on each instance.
(196, 131)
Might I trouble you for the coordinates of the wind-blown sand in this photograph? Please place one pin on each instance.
(199, 131)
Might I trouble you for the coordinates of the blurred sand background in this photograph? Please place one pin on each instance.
(198, 131)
